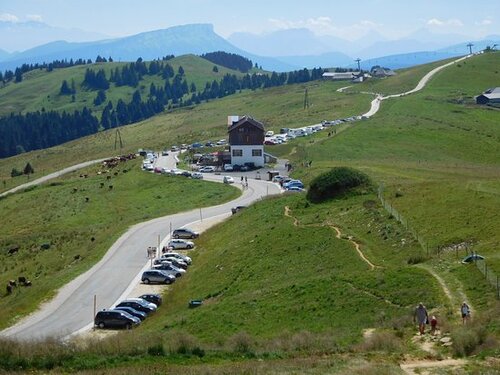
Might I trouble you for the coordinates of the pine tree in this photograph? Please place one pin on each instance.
(28, 169)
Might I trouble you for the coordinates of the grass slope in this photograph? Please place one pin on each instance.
(277, 107)
(80, 232)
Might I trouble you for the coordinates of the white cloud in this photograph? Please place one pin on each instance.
(34, 17)
(7, 17)
(319, 25)
(454, 22)
(325, 26)
(485, 22)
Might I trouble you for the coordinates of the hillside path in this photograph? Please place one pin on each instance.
(338, 235)
(375, 104)
(53, 175)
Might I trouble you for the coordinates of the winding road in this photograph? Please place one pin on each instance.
(112, 278)
(72, 309)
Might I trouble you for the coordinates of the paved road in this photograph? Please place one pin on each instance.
(72, 309)
(43, 179)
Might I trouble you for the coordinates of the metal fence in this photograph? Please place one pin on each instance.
(489, 275)
(481, 264)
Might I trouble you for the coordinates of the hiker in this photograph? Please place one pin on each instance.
(465, 311)
(421, 317)
(434, 323)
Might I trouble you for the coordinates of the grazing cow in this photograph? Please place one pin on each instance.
(9, 289)
(102, 184)
(21, 280)
(92, 239)
(108, 177)
(110, 187)
(76, 257)
(13, 283)
(87, 199)
(13, 250)
(27, 283)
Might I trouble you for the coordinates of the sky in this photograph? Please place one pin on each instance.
(346, 19)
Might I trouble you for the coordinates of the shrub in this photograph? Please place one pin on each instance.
(467, 338)
(335, 183)
(241, 343)
(381, 341)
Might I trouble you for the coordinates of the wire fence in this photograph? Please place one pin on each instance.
(481, 264)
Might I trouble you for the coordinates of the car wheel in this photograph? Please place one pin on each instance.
(146, 281)
(168, 281)
(101, 325)
(189, 246)
(128, 326)
(178, 275)
(176, 236)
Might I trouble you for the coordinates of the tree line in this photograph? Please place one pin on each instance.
(229, 60)
(36, 130)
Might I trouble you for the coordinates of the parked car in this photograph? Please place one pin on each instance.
(185, 174)
(180, 244)
(221, 142)
(173, 261)
(237, 208)
(138, 304)
(228, 167)
(185, 233)
(182, 257)
(291, 183)
(153, 298)
(209, 144)
(115, 319)
(174, 148)
(228, 180)
(169, 268)
(138, 314)
(295, 189)
(207, 169)
(164, 153)
(156, 276)
(179, 263)
(197, 176)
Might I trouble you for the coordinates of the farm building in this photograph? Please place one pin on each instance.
(490, 96)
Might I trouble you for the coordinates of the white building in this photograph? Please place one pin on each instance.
(246, 141)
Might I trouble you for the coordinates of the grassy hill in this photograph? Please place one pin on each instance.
(285, 288)
(40, 89)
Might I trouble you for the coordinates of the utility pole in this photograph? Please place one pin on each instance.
(306, 99)
(359, 66)
(470, 47)
(118, 136)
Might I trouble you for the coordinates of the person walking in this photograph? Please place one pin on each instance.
(434, 323)
(465, 311)
(421, 317)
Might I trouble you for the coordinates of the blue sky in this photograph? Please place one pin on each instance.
(346, 19)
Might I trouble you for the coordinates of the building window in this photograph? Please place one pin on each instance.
(257, 152)
(237, 152)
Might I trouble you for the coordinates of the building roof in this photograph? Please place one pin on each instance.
(244, 120)
(340, 75)
(493, 90)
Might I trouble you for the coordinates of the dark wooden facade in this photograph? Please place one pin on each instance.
(246, 131)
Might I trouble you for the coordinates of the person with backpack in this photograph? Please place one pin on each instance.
(465, 311)
(421, 316)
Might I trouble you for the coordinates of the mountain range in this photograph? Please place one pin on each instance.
(282, 50)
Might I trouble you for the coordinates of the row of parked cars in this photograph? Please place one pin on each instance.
(129, 312)
(289, 184)
(171, 265)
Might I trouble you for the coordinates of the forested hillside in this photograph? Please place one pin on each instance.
(43, 105)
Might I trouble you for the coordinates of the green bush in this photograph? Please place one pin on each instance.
(335, 183)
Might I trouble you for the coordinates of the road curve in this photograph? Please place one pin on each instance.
(72, 309)
(375, 104)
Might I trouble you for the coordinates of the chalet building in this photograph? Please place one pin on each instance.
(490, 96)
(246, 141)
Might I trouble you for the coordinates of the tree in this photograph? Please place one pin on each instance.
(19, 75)
(180, 70)
(215, 69)
(100, 98)
(65, 89)
(28, 169)
(14, 172)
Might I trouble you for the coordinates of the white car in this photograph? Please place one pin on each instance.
(182, 257)
(180, 244)
(207, 169)
(228, 180)
(228, 167)
(197, 175)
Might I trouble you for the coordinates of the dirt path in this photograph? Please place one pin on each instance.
(429, 367)
(357, 246)
(456, 298)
